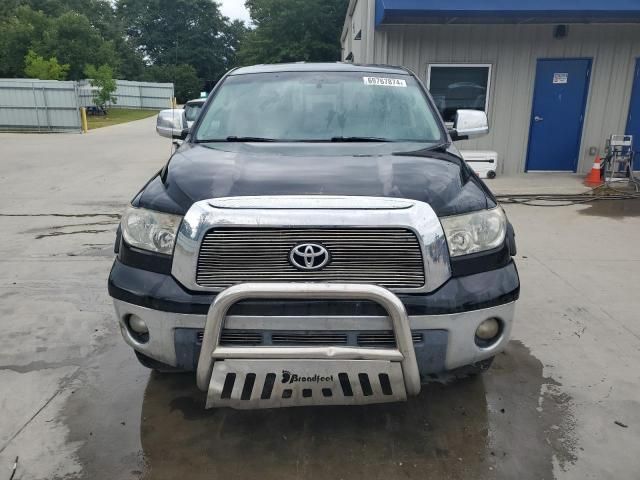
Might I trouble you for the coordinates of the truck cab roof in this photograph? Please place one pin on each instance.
(319, 67)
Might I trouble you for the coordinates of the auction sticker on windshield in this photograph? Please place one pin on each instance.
(385, 82)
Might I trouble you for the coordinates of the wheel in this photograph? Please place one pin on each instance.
(491, 175)
(155, 365)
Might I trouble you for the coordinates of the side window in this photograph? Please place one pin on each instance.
(192, 112)
(456, 87)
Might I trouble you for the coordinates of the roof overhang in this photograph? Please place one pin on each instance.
(395, 12)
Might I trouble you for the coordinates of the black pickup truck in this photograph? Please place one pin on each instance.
(317, 239)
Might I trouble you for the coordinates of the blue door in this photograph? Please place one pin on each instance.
(633, 125)
(557, 116)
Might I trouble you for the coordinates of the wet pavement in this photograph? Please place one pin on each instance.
(76, 404)
(614, 209)
(466, 429)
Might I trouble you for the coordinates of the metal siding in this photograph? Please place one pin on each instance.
(52, 106)
(364, 19)
(355, 22)
(133, 94)
(38, 106)
(513, 51)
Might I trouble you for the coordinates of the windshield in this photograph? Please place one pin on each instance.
(320, 106)
(192, 111)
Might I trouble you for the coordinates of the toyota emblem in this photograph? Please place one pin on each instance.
(309, 256)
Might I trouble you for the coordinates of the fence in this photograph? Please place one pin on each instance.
(132, 94)
(38, 106)
(48, 106)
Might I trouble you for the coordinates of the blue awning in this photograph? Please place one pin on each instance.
(507, 11)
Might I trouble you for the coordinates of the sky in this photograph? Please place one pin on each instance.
(235, 9)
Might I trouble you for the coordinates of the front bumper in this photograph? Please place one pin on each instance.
(448, 339)
(186, 331)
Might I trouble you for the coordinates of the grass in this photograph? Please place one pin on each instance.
(118, 115)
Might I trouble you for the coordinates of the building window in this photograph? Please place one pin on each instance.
(459, 86)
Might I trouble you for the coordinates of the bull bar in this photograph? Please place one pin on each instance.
(212, 351)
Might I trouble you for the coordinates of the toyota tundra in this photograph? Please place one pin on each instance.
(316, 240)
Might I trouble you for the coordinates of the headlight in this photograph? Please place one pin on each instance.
(150, 230)
(475, 232)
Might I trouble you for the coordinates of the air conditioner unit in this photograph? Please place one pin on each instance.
(483, 162)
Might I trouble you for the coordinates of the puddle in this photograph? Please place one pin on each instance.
(442, 432)
(613, 208)
(472, 428)
(532, 419)
(510, 423)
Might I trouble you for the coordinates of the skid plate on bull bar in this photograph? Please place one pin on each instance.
(254, 384)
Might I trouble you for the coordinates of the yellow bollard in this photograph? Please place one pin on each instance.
(83, 115)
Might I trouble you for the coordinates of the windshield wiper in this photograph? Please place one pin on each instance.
(441, 147)
(233, 138)
(358, 139)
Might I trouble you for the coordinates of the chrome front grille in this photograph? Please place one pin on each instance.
(391, 258)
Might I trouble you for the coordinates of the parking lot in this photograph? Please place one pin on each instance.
(76, 404)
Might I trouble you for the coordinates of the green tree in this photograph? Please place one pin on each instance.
(7, 7)
(19, 33)
(236, 33)
(192, 32)
(130, 36)
(37, 67)
(73, 40)
(184, 77)
(102, 79)
(293, 30)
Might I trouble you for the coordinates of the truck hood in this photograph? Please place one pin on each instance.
(202, 172)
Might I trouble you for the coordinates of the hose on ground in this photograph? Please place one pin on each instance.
(603, 192)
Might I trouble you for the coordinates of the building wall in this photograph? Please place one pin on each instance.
(513, 50)
(360, 18)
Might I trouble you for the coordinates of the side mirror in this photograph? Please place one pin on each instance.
(469, 123)
(172, 124)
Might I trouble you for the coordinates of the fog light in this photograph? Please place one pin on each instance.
(138, 325)
(488, 330)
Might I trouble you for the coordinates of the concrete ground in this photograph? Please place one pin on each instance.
(539, 184)
(75, 404)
